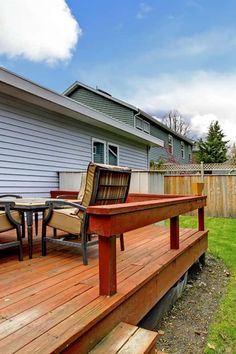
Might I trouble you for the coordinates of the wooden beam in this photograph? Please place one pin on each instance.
(201, 226)
(107, 266)
(174, 233)
(120, 218)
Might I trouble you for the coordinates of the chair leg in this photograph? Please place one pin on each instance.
(36, 220)
(84, 244)
(44, 244)
(23, 225)
(122, 243)
(19, 238)
(54, 233)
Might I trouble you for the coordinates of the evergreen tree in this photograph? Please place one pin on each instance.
(214, 148)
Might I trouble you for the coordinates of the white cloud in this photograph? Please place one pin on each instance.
(210, 42)
(38, 30)
(201, 96)
(143, 11)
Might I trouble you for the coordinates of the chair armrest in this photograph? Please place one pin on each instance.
(7, 205)
(62, 202)
(11, 196)
(67, 196)
(58, 203)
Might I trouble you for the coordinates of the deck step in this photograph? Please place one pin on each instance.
(127, 339)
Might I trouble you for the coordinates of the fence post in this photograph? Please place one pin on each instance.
(202, 172)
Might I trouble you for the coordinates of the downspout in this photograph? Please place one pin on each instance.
(136, 115)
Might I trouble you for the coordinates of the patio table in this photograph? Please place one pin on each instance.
(30, 206)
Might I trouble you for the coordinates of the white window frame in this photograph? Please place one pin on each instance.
(147, 125)
(95, 140)
(170, 144)
(182, 145)
(138, 119)
(141, 125)
(118, 152)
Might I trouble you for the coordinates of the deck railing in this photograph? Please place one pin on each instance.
(140, 210)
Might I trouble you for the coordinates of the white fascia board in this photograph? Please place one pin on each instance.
(28, 91)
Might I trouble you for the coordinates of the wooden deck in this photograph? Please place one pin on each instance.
(52, 304)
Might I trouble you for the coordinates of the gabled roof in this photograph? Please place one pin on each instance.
(108, 96)
(28, 91)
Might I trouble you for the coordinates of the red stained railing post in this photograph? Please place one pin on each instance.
(107, 265)
(174, 232)
(201, 226)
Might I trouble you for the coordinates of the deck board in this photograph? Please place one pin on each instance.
(50, 303)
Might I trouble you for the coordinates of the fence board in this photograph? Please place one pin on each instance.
(220, 191)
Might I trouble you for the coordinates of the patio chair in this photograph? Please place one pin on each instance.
(17, 196)
(11, 219)
(104, 185)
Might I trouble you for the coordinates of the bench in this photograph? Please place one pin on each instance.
(127, 339)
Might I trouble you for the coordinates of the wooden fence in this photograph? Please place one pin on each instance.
(220, 191)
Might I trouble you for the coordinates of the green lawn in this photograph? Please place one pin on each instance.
(222, 244)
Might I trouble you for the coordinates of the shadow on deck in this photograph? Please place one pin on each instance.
(52, 304)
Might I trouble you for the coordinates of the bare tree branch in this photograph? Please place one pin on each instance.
(175, 121)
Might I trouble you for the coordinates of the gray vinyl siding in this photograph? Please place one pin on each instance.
(103, 104)
(36, 144)
(158, 153)
(127, 115)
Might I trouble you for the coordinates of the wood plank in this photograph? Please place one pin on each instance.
(114, 221)
(174, 232)
(133, 308)
(11, 325)
(43, 324)
(126, 339)
(141, 342)
(145, 270)
(107, 266)
(115, 339)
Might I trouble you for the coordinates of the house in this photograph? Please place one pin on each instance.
(43, 132)
(176, 149)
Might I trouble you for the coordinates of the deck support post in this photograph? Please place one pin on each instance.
(107, 265)
(201, 226)
(174, 232)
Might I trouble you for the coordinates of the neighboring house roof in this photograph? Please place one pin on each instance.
(21, 88)
(107, 95)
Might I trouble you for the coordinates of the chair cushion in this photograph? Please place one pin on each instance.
(82, 186)
(112, 188)
(5, 225)
(66, 220)
(117, 191)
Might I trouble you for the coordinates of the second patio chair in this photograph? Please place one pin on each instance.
(9, 220)
(104, 185)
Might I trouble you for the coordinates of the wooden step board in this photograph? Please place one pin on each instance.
(127, 339)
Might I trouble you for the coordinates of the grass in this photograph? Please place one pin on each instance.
(222, 244)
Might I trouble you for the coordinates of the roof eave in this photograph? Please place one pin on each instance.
(26, 90)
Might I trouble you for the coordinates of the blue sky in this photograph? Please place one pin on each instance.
(158, 55)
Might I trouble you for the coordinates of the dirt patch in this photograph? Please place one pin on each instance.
(184, 329)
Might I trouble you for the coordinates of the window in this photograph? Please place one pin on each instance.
(113, 154)
(182, 150)
(146, 127)
(103, 152)
(170, 144)
(139, 123)
(142, 125)
(99, 151)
